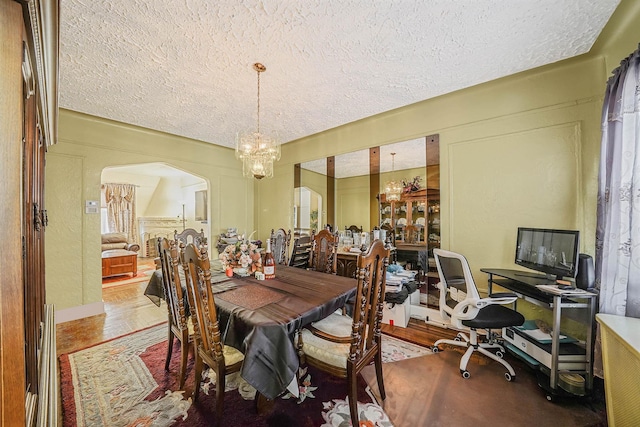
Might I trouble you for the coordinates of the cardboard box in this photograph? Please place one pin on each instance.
(399, 314)
(414, 298)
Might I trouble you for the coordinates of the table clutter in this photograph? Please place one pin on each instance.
(357, 243)
(231, 237)
(400, 288)
(241, 256)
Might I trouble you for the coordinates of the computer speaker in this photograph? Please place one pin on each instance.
(586, 277)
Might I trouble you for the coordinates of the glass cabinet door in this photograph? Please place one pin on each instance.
(418, 218)
(386, 217)
(433, 225)
(400, 220)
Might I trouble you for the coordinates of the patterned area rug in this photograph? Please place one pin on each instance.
(123, 383)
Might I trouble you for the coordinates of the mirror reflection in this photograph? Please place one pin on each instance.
(342, 191)
(413, 216)
(309, 210)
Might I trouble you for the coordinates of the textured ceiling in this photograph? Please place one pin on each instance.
(185, 66)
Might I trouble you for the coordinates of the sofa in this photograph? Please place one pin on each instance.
(112, 241)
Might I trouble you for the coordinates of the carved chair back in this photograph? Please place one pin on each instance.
(354, 228)
(190, 235)
(323, 252)
(204, 312)
(280, 240)
(367, 315)
(171, 284)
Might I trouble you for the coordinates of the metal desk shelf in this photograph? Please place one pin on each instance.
(524, 286)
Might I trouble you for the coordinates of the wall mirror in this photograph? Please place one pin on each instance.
(310, 196)
(414, 219)
(349, 190)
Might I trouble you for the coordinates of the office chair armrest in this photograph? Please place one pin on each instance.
(502, 295)
(483, 302)
(468, 309)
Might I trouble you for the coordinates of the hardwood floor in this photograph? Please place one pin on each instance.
(128, 309)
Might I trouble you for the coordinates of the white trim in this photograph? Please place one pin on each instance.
(79, 312)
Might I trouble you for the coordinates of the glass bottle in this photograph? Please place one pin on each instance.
(269, 268)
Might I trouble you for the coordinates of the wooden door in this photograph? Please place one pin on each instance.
(33, 149)
(12, 331)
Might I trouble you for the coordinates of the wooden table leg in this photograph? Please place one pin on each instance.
(263, 405)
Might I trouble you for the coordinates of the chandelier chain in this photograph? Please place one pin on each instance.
(258, 101)
(257, 151)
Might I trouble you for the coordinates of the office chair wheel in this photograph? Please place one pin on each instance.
(465, 374)
(500, 354)
(435, 349)
(509, 377)
(458, 338)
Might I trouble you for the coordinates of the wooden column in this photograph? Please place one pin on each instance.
(432, 152)
(297, 177)
(331, 193)
(374, 186)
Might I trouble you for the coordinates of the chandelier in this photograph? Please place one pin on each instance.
(257, 150)
(392, 189)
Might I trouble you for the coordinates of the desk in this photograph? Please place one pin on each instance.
(523, 284)
(265, 333)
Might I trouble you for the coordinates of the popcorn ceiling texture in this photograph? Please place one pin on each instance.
(185, 66)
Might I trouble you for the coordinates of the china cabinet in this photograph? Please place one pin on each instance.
(414, 219)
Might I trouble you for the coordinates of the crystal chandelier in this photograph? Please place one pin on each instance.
(257, 150)
(392, 189)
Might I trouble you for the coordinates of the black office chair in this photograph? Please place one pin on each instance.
(462, 306)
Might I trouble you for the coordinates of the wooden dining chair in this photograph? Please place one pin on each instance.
(210, 350)
(280, 240)
(301, 252)
(190, 235)
(180, 327)
(354, 228)
(346, 360)
(324, 252)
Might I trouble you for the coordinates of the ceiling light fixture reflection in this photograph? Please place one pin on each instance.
(257, 150)
(393, 189)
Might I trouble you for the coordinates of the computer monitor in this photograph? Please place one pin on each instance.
(553, 252)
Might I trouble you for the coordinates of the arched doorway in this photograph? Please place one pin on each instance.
(166, 199)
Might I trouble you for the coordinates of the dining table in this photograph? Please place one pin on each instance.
(261, 319)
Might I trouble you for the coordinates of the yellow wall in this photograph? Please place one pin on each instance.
(485, 133)
(352, 202)
(521, 150)
(518, 151)
(86, 146)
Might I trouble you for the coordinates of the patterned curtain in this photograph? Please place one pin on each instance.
(617, 261)
(121, 209)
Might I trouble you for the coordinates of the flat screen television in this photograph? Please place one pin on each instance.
(553, 252)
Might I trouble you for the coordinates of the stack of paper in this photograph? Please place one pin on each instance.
(553, 289)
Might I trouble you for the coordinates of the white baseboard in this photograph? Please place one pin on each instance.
(429, 315)
(79, 312)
